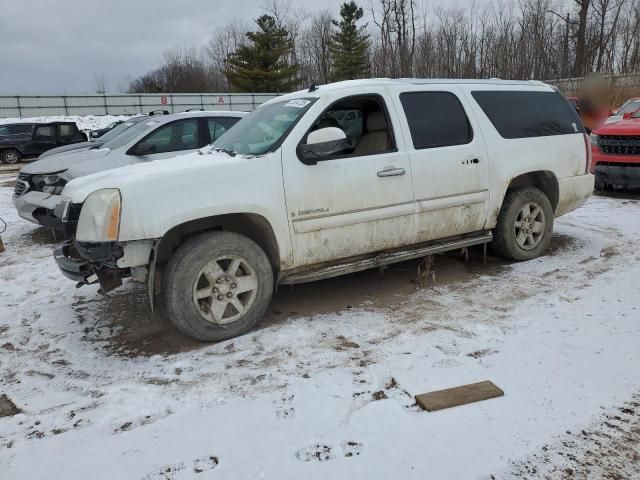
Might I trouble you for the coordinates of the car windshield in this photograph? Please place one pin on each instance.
(264, 129)
(630, 106)
(129, 134)
(15, 129)
(117, 130)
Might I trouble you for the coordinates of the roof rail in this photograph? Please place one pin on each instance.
(159, 112)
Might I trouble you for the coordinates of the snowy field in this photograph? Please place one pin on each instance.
(324, 388)
(84, 122)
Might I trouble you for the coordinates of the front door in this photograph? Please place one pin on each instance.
(356, 202)
(448, 159)
(181, 136)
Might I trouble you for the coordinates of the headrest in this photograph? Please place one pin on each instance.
(376, 122)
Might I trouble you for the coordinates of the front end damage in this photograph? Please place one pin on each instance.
(106, 263)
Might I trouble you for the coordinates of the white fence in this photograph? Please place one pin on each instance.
(36, 106)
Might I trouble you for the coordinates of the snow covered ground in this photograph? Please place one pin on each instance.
(84, 122)
(324, 387)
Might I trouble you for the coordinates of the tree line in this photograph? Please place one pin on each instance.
(287, 48)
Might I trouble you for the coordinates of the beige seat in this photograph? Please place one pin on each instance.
(376, 140)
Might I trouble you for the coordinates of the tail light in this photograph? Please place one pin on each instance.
(589, 156)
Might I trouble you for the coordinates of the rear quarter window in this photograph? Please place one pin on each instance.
(526, 114)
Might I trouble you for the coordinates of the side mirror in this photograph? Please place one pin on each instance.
(145, 149)
(322, 143)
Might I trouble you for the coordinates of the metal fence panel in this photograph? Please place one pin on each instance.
(124, 104)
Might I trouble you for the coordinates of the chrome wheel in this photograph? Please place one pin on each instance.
(225, 289)
(530, 226)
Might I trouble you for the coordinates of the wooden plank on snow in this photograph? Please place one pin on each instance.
(454, 397)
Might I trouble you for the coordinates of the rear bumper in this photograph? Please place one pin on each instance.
(573, 192)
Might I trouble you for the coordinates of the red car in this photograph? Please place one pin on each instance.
(615, 149)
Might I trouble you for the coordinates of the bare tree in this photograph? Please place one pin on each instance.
(101, 83)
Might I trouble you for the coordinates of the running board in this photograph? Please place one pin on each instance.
(382, 259)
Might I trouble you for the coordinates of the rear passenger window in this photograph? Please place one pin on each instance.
(436, 119)
(65, 130)
(529, 114)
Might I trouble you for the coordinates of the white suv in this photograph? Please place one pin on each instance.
(328, 181)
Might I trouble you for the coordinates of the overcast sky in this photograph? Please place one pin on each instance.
(58, 46)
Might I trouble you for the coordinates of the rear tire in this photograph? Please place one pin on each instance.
(11, 156)
(525, 224)
(216, 286)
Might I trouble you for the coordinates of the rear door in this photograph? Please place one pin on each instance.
(44, 138)
(448, 159)
(67, 134)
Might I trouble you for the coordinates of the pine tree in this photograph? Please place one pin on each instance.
(262, 65)
(349, 45)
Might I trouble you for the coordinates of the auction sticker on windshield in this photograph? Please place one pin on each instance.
(300, 103)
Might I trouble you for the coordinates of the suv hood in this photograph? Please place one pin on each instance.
(630, 126)
(69, 148)
(145, 175)
(15, 138)
(59, 163)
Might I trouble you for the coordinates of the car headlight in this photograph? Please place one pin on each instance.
(49, 183)
(594, 139)
(100, 217)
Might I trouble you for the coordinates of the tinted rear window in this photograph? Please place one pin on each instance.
(436, 119)
(529, 114)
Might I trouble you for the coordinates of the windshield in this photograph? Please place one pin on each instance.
(630, 106)
(264, 129)
(117, 130)
(129, 133)
(15, 129)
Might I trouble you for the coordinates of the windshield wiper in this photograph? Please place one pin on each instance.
(231, 153)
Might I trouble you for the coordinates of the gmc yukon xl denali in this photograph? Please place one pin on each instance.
(327, 181)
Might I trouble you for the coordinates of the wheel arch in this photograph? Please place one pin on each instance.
(544, 180)
(251, 225)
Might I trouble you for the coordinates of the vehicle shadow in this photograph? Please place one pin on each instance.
(123, 323)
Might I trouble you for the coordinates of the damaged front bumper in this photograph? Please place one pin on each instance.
(107, 263)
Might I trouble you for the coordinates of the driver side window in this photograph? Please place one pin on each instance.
(365, 123)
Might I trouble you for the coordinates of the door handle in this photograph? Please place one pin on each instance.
(471, 161)
(391, 172)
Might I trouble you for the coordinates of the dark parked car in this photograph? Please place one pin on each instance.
(28, 140)
(93, 142)
(99, 132)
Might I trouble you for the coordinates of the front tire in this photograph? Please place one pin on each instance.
(217, 285)
(525, 224)
(11, 156)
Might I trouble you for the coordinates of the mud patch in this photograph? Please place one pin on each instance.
(606, 450)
